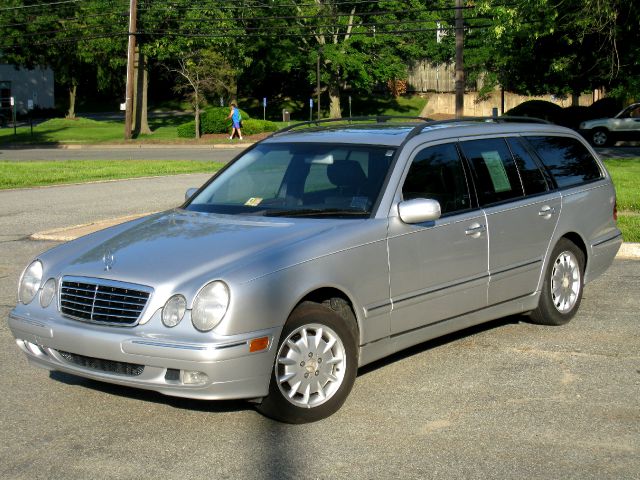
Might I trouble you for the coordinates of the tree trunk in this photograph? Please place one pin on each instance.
(73, 90)
(575, 99)
(334, 100)
(197, 105)
(141, 82)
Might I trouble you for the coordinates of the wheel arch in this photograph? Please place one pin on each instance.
(578, 241)
(337, 300)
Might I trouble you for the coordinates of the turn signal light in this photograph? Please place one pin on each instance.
(258, 344)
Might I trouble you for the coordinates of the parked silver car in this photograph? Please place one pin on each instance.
(606, 131)
(323, 249)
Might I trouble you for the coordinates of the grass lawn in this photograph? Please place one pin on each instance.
(29, 174)
(61, 130)
(626, 178)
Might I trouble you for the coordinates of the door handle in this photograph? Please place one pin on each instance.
(475, 230)
(547, 211)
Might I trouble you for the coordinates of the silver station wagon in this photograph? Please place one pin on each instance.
(321, 249)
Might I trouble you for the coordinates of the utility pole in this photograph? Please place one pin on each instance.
(131, 58)
(459, 62)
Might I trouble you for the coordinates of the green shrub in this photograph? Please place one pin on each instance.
(187, 130)
(214, 120)
(537, 109)
(253, 126)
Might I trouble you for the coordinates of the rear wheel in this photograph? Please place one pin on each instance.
(315, 365)
(562, 287)
(600, 137)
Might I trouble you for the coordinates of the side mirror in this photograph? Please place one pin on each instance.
(189, 193)
(419, 210)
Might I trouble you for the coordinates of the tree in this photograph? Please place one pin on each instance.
(562, 46)
(62, 36)
(359, 44)
(204, 71)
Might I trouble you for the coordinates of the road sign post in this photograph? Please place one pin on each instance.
(13, 115)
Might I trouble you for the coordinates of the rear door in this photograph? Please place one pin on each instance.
(521, 213)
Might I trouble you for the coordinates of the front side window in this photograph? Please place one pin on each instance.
(495, 173)
(632, 111)
(437, 173)
(299, 179)
(567, 159)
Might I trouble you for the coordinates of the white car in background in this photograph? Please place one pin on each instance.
(606, 131)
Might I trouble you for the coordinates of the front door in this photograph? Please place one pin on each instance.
(438, 270)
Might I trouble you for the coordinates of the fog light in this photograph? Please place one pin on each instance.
(33, 348)
(194, 378)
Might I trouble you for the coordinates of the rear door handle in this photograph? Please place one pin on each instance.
(475, 230)
(547, 211)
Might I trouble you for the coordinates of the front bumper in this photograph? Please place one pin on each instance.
(115, 355)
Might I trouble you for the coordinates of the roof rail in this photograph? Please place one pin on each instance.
(504, 119)
(428, 122)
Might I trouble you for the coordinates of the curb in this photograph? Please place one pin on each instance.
(628, 251)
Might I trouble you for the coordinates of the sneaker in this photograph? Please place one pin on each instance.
(240, 138)
(230, 138)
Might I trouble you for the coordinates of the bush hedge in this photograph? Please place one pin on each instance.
(214, 120)
(187, 130)
(253, 126)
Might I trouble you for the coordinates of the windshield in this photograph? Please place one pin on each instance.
(299, 179)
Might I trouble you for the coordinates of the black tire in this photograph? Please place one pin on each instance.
(601, 137)
(320, 323)
(564, 276)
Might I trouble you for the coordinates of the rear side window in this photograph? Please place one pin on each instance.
(437, 173)
(533, 180)
(567, 159)
(495, 172)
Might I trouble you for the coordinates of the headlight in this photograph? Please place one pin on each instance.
(173, 311)
(210, 305)
(30, 282)
(47, 293)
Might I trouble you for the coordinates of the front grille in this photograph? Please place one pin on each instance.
(102, 301)
(108, 366)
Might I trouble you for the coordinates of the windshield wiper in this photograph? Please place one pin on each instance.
(315, 212)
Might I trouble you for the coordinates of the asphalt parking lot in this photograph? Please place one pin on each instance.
(505, 400)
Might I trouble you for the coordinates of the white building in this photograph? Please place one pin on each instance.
(24, 85)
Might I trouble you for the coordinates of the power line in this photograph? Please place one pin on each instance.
(69, 19)
(62, 41)
(155, 33)
(236, 36)
(40, 5)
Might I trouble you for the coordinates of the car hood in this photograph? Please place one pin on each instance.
(178, 246)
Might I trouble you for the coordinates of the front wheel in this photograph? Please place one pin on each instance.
(562, 287)
(315, 365)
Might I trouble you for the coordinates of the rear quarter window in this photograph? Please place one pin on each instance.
(567, 159)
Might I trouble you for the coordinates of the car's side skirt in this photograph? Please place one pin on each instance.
(386, 346)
